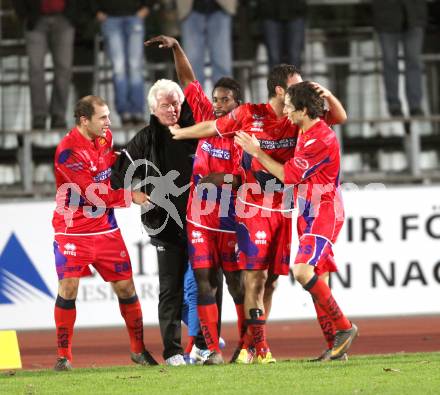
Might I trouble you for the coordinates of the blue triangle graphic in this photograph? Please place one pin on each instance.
(15, 260)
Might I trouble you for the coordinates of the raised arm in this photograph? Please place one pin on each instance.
(336, 113)
(184, 69)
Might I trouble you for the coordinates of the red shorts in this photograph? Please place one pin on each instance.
(264, 242)
(323, 224)
(105, 252)
(211, 249)
(316, 251)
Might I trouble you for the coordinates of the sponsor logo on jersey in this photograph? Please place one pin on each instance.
(278, 144)
(260, 237)
(216, 152)
(103, 175)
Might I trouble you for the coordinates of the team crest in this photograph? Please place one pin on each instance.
(301, 163)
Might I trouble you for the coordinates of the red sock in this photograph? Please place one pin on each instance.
(190, 344)
(257, 328)
(208, 317)
(323, 295)
(247, 339)
(240, 321)
(65, 315)
(131, 311)
(327, 327)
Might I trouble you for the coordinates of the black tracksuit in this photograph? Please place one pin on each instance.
(155, 144)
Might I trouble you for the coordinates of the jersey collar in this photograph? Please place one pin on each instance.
(82, 140)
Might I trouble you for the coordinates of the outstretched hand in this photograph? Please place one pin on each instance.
(162, 41)
(250, 144)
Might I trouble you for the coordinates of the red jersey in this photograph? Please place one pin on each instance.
(84, 198)
(200, 104)
(213, 155)
(314, 170)
(277, 137)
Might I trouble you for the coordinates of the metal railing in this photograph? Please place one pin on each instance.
(252, 75)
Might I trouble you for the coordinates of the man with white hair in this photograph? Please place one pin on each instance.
(166, 168)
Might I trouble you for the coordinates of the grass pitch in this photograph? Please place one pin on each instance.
(381, 374)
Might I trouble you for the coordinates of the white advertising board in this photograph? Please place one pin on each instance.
(387, 255)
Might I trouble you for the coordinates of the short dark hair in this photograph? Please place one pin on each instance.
(278, 76)
(85, 107)
(304, 95)
(232, 85)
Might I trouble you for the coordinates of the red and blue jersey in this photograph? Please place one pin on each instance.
(199, 103)
(213, 155)
(314, 172)
(277, 137)
(84, 198)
